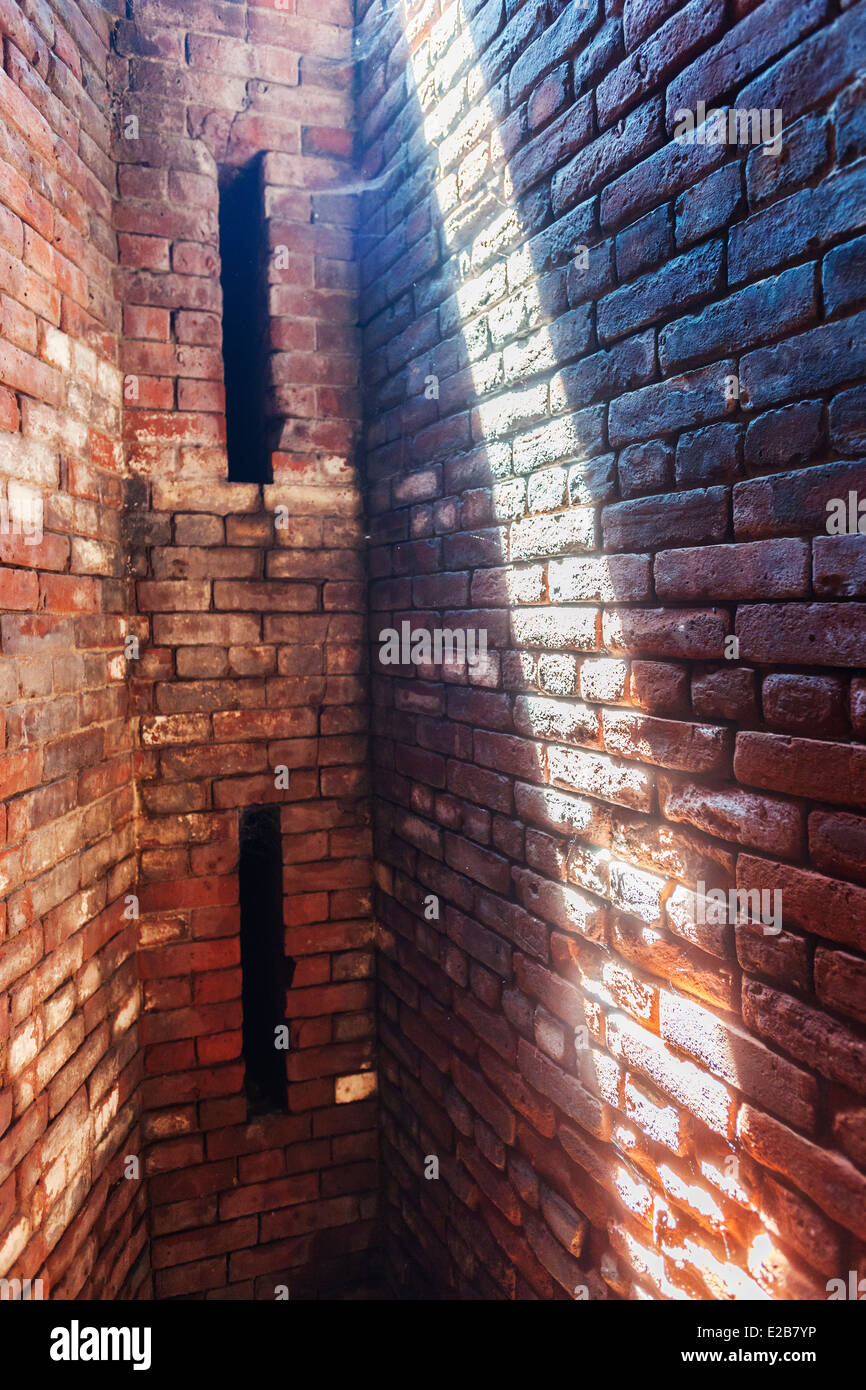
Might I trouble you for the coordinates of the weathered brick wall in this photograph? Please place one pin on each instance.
(69, 998)
(613, 381)
(252, 643)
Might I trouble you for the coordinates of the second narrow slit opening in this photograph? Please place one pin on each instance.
(266, 971)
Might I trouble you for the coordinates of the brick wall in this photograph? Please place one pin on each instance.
(251, 604)
(69, 1062)
(612, 382)
(174, 640)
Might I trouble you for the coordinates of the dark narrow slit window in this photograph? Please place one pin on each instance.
(267, 973)
(241, 228)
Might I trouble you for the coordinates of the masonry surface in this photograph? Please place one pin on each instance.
(533, 367)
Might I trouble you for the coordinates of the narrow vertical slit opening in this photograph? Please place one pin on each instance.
(267, 973)
(241, 231)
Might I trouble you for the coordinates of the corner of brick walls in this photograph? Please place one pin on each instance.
(125, 768)
(251, 604)
(562, 801)
(553, 295)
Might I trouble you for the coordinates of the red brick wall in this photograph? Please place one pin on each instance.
(583, 486)
(611, 383)
(69, 1000)
(252, 646)
(245, 610)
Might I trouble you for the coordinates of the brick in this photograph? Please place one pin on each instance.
(655, 180)
(800, 1224)
(784, 438)
(611, 579)
(807, 149)
(602, 159)
(479, 1095)
(205, 629)
(560, 905)
(847, 424)
(762, 822)
(839, 980)
(761, 569)
(653, 950)
(265, 597)
(566, 1093)
(666, 742)
(680, 282)
(645, 468)
(556, 40)
(699, 515)
(743, 50)
(661, 1123)
(658, 687)
(657, 56)
(836, 842)
(804, 704)
(557, 628)
(561, 720)
(800, 767)
(828, 64)
(601, 777)
(679, 403)
(708, 206)
(659, 632)
(839, 566)
(604, 374)
(757, 245)
(825, 634)
(815, 361)
(18, 589)
(809, 898)
(702, 1095)
(847, 119)
(727, 1051)
(807, 1033)
(795, 501)
(568, 1226)
(711, 455)
(746, 319)
(558, 141)
(479, 942)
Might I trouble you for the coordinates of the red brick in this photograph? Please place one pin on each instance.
(837, 844)
(820, 634)
(760, 570)
(692, 747)
(747, 1065)
(833, 772)
(18, 589)
(766, 823)
(830, 1180)
(839, 981)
